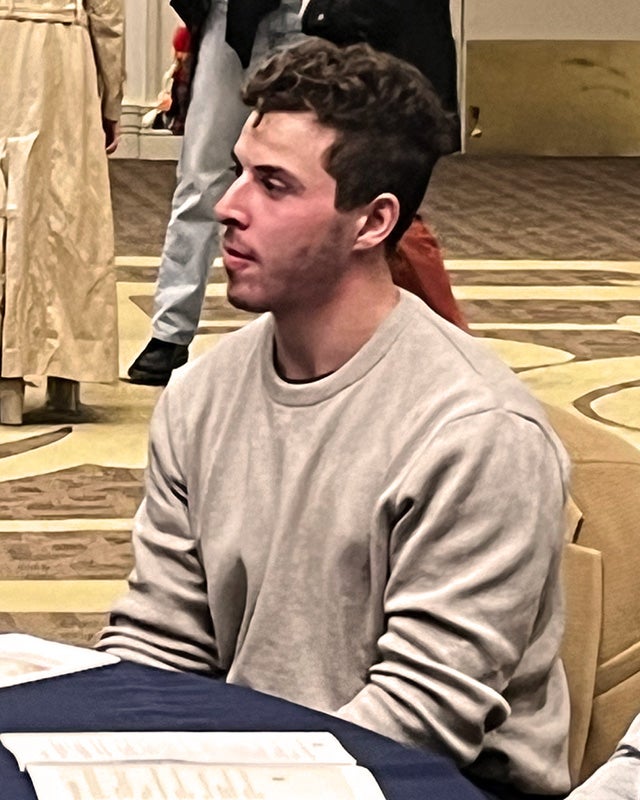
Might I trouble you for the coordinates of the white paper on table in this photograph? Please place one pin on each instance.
(202, 782)
(199, 747)
(25, 658)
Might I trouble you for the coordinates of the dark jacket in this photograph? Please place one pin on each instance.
(243, 18)
(418, 31)
(192, 12)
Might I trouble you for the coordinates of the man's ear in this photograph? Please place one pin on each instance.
(377, 220)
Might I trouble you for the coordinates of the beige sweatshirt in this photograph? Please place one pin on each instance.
(383, 543)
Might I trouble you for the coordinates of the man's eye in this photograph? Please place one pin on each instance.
(273, 187)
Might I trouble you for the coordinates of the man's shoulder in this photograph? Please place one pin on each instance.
(455, 374)
(444, 356)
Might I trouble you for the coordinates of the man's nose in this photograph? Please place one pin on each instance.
(231, 209)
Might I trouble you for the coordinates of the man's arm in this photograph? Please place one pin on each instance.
(473, 581)
(164, 619)
(106, 28)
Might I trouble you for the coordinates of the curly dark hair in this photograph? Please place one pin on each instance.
(391, 127)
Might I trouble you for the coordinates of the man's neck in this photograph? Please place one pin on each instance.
(315, 342)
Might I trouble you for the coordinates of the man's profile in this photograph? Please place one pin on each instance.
(351, 503)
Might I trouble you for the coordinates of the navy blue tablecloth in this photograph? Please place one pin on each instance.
(127, 696)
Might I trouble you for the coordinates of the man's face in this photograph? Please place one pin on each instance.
(286, 246)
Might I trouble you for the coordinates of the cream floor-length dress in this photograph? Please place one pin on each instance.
(61, 70)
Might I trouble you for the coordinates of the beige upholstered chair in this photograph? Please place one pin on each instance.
(601, 649)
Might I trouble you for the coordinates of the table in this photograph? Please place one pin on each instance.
(128, 696)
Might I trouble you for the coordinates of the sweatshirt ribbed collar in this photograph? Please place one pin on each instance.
(307, 394)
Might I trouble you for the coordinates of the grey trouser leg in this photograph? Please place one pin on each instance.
(214, 121)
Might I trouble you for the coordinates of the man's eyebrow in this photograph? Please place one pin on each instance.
(294, 184)
(271, 170)
(268, 169)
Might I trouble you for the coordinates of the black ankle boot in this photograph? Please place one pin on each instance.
(157, 361)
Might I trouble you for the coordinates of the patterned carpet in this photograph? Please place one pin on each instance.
(499, 207)
(544, 258)
(537, 208)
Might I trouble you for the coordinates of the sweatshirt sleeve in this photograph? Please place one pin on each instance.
(106, 28)
(164, 619)
(472, 596)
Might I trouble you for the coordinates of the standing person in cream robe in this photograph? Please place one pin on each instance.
(61, 74)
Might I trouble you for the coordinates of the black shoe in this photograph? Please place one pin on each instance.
(156, 362)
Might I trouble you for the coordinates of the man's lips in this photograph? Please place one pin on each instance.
(237, 252)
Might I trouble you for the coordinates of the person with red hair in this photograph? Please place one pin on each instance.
(180, 80)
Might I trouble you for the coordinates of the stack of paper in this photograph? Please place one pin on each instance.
(26, 658)
(190, 766)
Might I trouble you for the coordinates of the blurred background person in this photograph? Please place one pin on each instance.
(170, 111)
(61, 73)
(226, 39)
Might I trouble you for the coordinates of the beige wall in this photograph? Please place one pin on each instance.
(573, 98)
(552, 78)
(552, 19)
(150, 25)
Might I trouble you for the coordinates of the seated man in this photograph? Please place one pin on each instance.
(351, 503)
